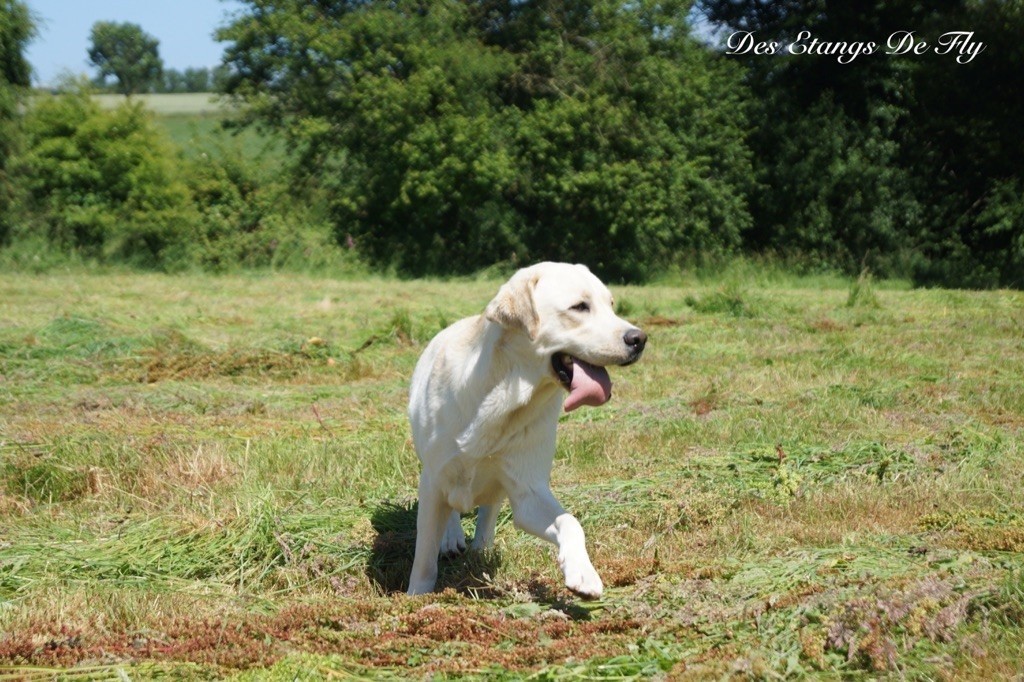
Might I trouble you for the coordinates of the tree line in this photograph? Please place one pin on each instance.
(170, 80)
(440, 138)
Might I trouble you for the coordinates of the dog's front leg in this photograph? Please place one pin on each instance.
(535, 510)
(431, 518)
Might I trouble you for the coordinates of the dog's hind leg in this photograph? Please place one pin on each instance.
(535, 510)
(454, 540)
(486, 520)
(431, 519)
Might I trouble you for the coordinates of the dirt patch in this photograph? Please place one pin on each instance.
(399, 632)
(661, 321)
(827, 325)
(191, 366)
(622, 572)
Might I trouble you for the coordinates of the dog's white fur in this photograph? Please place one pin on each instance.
(484, 406)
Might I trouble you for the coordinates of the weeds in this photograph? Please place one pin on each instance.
(732, 299)
(862, 292)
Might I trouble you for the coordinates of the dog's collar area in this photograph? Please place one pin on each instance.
(562, 364)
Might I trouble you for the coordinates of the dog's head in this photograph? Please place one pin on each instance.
(569, 316)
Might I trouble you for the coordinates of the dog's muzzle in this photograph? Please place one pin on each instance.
(635, 340)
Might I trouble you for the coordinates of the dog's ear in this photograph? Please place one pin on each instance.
(513, 307)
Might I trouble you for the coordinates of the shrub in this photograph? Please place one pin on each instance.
(102, 184)
(248, 219)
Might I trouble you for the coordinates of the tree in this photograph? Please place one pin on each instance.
(967, 151)
(459, 134)
(197, 79)
(16, 29)
(172, 80)
(190, 80)
(126, 52)
(912, 161)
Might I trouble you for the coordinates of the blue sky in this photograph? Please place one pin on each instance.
(183, 27)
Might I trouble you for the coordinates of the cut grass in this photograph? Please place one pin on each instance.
(204, 477)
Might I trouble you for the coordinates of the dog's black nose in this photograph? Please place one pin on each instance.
(636, 340)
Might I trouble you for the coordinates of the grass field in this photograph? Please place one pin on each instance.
(209, 477)
(170, 104)
(193, 121)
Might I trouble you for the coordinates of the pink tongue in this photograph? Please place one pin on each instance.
(590, 386)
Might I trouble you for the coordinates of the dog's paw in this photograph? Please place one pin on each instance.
(454, 539)
(420, 587)
(586, 585)
(582, 579)
(481, 544)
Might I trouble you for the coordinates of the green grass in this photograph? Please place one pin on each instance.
(205, 134)
(194, 122)
(209, 477)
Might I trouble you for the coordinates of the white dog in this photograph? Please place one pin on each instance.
(484, 406)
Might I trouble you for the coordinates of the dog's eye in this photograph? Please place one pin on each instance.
(582, 307)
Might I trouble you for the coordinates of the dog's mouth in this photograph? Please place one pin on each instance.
(587, 384)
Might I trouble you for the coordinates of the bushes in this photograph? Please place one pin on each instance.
(443, 138)
(109, 187)
(247, 219)
(832, 190)
(102, 184)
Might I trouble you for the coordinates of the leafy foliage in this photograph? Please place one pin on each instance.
(457, 135)
(446, 137)
(893, 161)
(192, 79)
(102, 183)
(108, 186)
(16, 29)
(126, 52)
(247, 218)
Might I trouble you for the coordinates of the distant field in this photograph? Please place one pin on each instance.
(167, 104)
(205, 133)
(194, 122)
(211, 477)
